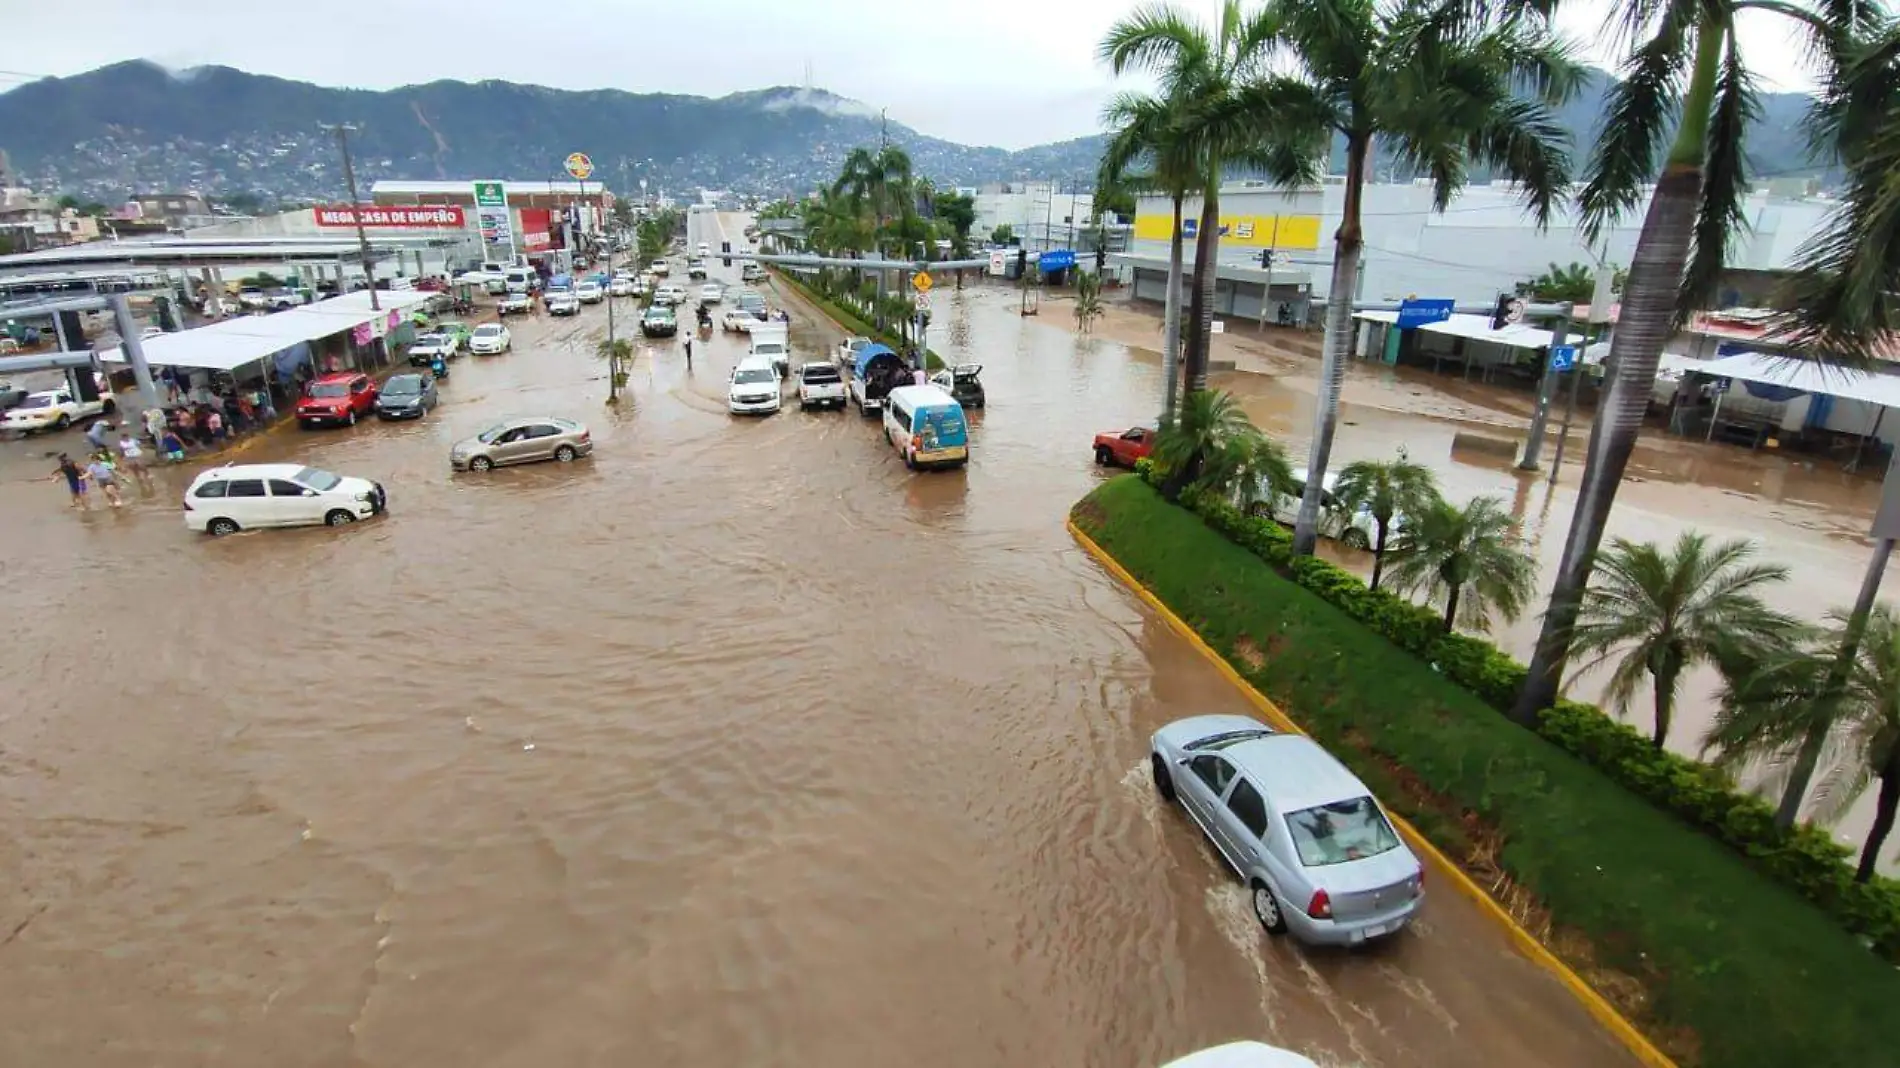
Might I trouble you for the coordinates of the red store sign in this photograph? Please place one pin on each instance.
(427, 215)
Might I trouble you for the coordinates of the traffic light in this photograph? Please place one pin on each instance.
(726, 246)
(1266, 258)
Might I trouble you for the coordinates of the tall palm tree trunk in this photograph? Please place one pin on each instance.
(1347, 243)
(1663, 685)
(1171, 317)
(1883, 818)
(1648, 316)
(1378, 558)
(1808, 757)
(1201, 304)
(1451, 607)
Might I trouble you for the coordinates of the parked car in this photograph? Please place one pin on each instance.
(563, 302)
(695, 268)
(820, 386)
(590, 293)
(52, 409)
(712, 293)
(622, 286)
(1354, 530)
(337, 399)
(281, 298)
(522, 441)
(963, 382)
(426, 348)
(659, 268)
(406, 397)
(252, 298)
(515, 303)
(659, 321)
(754, 388)
(225, 500)
(1318, 855)
(669, 293)
(490, 339)
(1123, 449)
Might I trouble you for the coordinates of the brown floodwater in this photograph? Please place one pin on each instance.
(736, 744)
(1804, 512)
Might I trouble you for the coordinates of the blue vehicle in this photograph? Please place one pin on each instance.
(926, 427)
(875, 371)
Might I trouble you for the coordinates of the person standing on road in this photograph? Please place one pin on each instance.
(133, 457)
(689, 352)
(154, 424)
(97, 434)
(99, 470)
(75, 481)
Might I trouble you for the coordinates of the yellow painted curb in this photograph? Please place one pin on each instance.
(1605, 1013)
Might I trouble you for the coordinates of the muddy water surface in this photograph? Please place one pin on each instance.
(736, 744)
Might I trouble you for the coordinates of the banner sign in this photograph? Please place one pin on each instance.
(491, 214)
(426, 215)
(534, 230)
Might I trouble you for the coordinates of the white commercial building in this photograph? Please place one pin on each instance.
(1041, 214)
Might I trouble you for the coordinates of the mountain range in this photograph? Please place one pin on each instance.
(138, 127)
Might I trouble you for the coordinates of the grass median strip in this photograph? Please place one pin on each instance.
(1734, 970)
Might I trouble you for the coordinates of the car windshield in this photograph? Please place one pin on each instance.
(819, 372)
(402, 386)
(37, 400)
(748, 376)
(316, 478)
(488, 331)
(1226, 738)
(330, 389)
(1340, 831)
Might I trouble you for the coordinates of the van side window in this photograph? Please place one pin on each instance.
(1247, 806)
(246, 487)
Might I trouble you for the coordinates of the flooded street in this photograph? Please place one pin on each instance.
(734, 744)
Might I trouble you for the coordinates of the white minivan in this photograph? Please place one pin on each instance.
(225, 500)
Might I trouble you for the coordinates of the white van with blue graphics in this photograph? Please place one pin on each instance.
(926, 427)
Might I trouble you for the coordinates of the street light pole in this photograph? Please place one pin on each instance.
(343, 130)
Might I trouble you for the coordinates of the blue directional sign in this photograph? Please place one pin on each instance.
(1416, 313)
(1563, 357)
(1060, 259)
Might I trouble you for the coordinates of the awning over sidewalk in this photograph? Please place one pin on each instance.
(1806, 376)
(1477, 328)
(231, 343)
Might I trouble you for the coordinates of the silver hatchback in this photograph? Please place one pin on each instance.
(1319, 856)
(522, 441)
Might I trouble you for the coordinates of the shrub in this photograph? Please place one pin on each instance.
(1806, 860)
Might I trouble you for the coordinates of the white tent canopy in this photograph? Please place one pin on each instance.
(1806, 376)
(1477, 328)
(231, 343)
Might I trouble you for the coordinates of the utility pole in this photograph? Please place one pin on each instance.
(343, 130)
(1546, 387)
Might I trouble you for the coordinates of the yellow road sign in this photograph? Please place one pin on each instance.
(921, 281)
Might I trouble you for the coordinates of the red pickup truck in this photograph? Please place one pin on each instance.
(1124, 448)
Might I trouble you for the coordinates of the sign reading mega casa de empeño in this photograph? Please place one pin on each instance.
(423, 215)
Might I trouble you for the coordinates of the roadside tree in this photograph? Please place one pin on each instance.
(1206, 427)
(1390, 490)
(1469, 558)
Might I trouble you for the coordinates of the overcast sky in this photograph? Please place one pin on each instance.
(994, 72)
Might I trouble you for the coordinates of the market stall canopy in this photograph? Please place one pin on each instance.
(1806, 376)
(231, 343)
(1477, 328)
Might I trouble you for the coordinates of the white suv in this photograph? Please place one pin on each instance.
(225, 500)
(754, 388)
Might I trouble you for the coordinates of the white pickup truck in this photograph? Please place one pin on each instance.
(820, 386)
(52, 409)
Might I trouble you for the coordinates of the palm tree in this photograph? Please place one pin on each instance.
(1469, 557)
(618, 354)
(1088, 300)
(1770, 711)
(878, 183)
(1575, 283)
(1205, 427)
(1686, 72)
(1390, 490)
(1257, 465)
(1658, 615)
(1207, 77)
(1147, 128)
(1439, 86)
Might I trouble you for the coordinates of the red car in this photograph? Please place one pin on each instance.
(341, 398)
(1123, 449)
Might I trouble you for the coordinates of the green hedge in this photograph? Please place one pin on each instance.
(850, 320)
(1806, 859)
(1760, 977)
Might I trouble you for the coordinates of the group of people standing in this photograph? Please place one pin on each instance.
(108, 465)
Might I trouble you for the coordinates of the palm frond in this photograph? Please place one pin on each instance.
(1159, 38)
(1640, 114)
(1719, 216)
(1525, 140)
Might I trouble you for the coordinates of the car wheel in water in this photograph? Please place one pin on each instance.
(565, 454)
(481, 463)
(1354, 538)
(337, 517)
(1103, 456)
(1164, 782)
(1266, 909)
(218, 528)
(351, 419)
(62, 422)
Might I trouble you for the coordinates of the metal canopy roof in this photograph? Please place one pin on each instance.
(232, 343)
(1477, 328)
